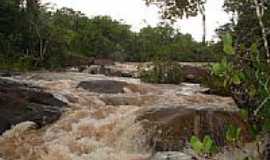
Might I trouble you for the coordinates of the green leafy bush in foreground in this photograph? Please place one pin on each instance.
(233, 134)
(205, 147)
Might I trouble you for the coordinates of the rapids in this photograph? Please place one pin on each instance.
(91, 128)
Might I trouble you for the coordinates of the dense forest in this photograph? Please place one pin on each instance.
(34, 36)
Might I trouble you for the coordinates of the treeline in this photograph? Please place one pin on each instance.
(34, 36)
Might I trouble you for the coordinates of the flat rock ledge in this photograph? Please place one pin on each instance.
(169, 128)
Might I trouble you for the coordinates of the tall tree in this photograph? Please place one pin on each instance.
(174, 9)
(253, 22)
(260, 10)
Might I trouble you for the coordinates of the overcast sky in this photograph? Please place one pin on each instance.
(138, 15)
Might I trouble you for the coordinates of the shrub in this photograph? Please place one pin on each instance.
(233, 134)
(161, 71)
(205, 147)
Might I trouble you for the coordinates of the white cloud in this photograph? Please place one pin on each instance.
(136, 13)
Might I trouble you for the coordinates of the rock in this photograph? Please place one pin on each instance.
(171, 127)
(171, 156)
(137, 100)
(20, 129)
(8, 73)
(5, 74)
(103, 62)
(77, 61)
(103, 86)
(4, 124)
(194, 74)
(113, 87)
(20, 102)
(93, 69)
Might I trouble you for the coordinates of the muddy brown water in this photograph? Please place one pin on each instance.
(96, 126)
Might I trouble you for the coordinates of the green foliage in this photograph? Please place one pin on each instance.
(247, 71)
(173, 9)
(246, 31)
(207, 146)
(233, 134)
(162, 71)
(228, 73)
(225, 70)
(228, 44)
(31, 30)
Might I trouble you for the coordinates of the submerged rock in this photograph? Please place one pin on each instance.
(20, 102)
(170, 127)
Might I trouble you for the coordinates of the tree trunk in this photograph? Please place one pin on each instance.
(204, 29)
(202, 12)
(260, 13)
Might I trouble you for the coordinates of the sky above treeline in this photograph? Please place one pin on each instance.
(138, 15)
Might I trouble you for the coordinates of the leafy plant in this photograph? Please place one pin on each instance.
(233, 134)
(225, 70)
(207, 146)
(228, 44)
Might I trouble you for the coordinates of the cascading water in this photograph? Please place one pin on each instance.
(107, 119)
(88, 130)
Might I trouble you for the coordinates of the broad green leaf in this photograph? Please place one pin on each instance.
(219, 69)
(227, 44)
(236, 79)
(207, 144)
(196, 144)
(242, 76)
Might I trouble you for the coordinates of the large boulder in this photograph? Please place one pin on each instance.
(170, 127)
(76, 61)
(194, 74)
(21, 102)
(103, 62)
(104, 86)
(114, 87)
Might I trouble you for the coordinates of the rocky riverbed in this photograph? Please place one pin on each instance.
(80, 116)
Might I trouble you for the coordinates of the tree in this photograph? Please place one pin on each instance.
(260, 10)
(174, 9)
(245, 30)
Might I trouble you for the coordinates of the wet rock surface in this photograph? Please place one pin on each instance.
(104, 86)
(20, 102)
(191, 73)
(112, 87)
(194, 74)
(171, 127)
